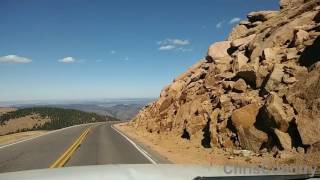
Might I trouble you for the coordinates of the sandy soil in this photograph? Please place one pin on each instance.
(26, 122)
(11, 138)
(182, 151)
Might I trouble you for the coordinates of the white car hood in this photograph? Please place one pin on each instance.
(125, 172)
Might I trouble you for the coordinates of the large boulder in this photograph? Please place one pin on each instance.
(239, 61)
(308, 128)
(245, 116)
(240, 86)
(275, 78)
(238, 32)
(242, 41)
(218, 50)
(276, 112)
(284, 139)
(261, 15)
(251, 138)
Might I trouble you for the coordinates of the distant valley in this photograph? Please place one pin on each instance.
(123, 109)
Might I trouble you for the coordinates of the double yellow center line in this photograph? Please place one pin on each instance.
(63, 159)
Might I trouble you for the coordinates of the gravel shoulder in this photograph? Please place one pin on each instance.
(181, 151)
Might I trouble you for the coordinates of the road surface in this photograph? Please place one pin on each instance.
(102, 145)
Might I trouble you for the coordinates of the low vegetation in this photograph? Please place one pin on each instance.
(59, 117)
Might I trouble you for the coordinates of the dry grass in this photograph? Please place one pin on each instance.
(26, 122)
(5, 110)
(11, 138)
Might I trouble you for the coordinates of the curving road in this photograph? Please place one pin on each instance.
(103, 145)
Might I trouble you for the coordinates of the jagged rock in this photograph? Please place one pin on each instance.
(276, 112)
(243, 22)
(213, 127)
(200, 74)
(248, 74)
(240, 86)
(292, 53)
(251, 138)
(284, 139)
(245, 116)
(272, 54)
(238, 32)
(289, 3)
(300, 37)
(288, 80)
(270, 61)
(242, 41)
(308, 128)
(227, 85)
(275, 78)
(239, 61)
(218, 50)
(261, 74)
(261, 15)
(164, 103)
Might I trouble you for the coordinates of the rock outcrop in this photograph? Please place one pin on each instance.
(258, 89)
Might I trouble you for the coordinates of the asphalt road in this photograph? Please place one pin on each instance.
(103, 145)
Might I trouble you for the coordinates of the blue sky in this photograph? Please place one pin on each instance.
(87, 49)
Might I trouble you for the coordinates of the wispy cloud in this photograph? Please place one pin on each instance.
(126, 58)
(112, 52)
(234, 20)
(173, 44)
(166, 47)
(67, 60)
(219, 24)
(15, 59)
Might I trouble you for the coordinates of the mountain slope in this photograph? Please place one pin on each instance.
(258, 90)
(45, 118)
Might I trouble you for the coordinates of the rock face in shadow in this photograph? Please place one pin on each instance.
(259, 89)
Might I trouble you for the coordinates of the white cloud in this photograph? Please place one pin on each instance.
(126, 58)
(234, 20)
(112, 52)
(15, 59)
(99, 60)
(67, 60)
(173, 44)
(167, 47)
(219, 24)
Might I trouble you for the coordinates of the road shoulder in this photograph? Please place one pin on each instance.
(16, 137)
(144, 145)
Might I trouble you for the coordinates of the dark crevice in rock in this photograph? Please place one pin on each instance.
(263, 91)
(205, 142)
(231, 126)
(231, 50)
(249, 76)
(185, 134)
(311, 54)
(209, 59)
(265, 124)
(293, 132)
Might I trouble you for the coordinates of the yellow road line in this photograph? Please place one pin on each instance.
(62, 160)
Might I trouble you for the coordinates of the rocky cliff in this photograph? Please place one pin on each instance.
(258, 90)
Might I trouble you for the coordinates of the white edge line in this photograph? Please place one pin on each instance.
(50, 132)
(142, 151)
